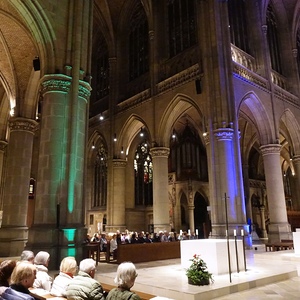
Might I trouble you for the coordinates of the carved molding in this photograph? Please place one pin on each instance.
(23, 124)
(59, 83)
(224, 134)
(264, 29)
(119, 163)
(159, 152)
(270, 149)
(84, 90)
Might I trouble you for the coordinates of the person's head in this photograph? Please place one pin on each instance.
(6, 268)
(23, 274)
(27, 255)
(42, 258)
(88, 266)
(68, 265)
(126, 275)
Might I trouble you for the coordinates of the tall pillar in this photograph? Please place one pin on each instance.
(59, 209)
(3, 145)
(160, 188)
(225, 181)
(264, 235)
(191, 207)
(296, 197)
(116, 207)
(14, 230)
(279, 227)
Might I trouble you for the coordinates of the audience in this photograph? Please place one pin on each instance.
(68, 268)
(6, 269)
(84, 286)
(28, 256)
(125, 278)
(22, 278)
(43, 280)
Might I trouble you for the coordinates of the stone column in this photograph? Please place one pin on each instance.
(3, 146)
(225, 180)
(160, 188)
(59, 209)
(296, 194)
(116, 220)
(279, 227)
(14, 230)
(264, 235)
(191, 207)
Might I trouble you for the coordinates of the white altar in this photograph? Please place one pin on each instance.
(215, 253)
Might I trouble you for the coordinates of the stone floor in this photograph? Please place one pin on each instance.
(269, 275)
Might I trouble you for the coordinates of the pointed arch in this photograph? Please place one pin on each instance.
(178, 106)
(253, 110)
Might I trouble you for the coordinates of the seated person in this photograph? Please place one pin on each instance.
(6, 268)
(103, 243)
(68, 268)
(28, 256)
(113, 246)
(84, 286)
(22, 278)
(126, 275)
(43, 280)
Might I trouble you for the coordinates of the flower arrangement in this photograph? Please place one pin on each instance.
(198, 273)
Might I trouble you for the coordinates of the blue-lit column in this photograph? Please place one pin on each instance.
(116, 207)
(225, 178)
(14, 230)
(161, 205)
(279, 228)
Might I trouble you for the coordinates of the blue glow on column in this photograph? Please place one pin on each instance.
(70, 236)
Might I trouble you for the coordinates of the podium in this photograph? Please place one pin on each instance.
(214, 252)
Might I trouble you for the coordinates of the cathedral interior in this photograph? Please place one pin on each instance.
(148, 115)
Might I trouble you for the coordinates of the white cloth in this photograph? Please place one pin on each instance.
(113, 245)
(42, 280)
(59, 285)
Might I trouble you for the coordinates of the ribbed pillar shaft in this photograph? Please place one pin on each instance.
(14, 231)
(279, 227)
(160, 188)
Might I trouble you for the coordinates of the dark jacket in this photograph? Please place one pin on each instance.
(12, 294)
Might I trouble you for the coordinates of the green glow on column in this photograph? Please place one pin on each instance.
(70, 236)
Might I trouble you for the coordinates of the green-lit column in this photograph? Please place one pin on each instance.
(59, 208)
(14, 231)
(161, 205)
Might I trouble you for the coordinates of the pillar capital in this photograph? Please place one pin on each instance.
(119, 163)
(22, 124)
(270, 149)
(224, 134)
(296, 159)
(84, 90)
(55, 82)
(159, 152)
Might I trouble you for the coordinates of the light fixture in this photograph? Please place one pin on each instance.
(291, 154)
(93, 146)
(122, 150)
(101, 118)
(142, 132)
(173, 134)
(115, 137)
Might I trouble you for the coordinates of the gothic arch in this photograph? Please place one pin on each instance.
(290, 129)
(180, 105)
(253, 110)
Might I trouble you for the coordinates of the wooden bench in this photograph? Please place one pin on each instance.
(148, 252)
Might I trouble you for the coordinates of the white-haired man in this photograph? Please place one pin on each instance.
(84, 286)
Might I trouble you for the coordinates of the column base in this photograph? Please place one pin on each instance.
(162, 227)
(115, 228)
(279, 231)
(59, 242)
(13, 240)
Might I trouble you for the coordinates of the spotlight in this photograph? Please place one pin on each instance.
(122, 150)
(115, 137)
(101, 118)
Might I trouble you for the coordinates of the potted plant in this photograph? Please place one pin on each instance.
(198, 273)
